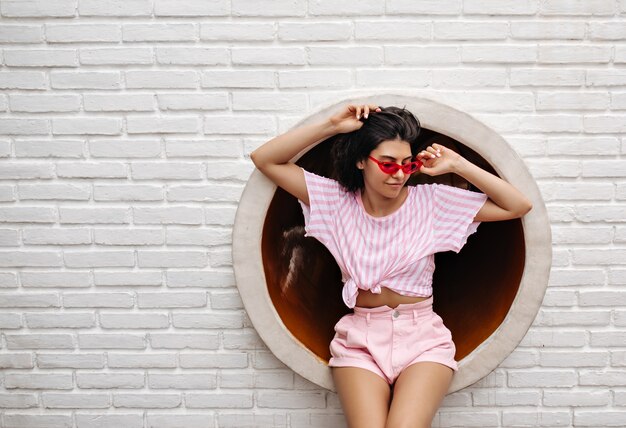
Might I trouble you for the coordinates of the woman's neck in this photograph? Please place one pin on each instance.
(379, 206)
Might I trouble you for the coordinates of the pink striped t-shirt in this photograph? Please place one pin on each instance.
(395, 251)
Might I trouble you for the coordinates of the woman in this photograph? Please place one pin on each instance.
(383, 236)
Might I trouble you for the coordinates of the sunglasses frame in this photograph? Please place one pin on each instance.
(396, 167)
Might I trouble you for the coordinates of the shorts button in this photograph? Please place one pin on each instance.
(396, 314)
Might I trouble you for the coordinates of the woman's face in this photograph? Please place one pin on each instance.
(387, 185)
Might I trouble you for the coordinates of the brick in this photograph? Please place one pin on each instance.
(163, 259)
(606, 30)
(239, 124)
(235, 79)
(152, 360)
(237, 32)
(193, 101)
(578, 7)
(171, 300)
(20, 33)
(16, 361)
(128, 237)
(10, 321)
(9, 238)
(268, 56)
(133, 321)
(499, 53)
(44, 103)
(576, 398)
(199, 279)
(547, 77)
(604, 123)
(405, 7)
(211, 236)
(37, 421)
(291, 400)
(364, 55)
(174, 421)
(602, 378)
(228, 320)
(608, 213)
(111, 341)
(164, 125)
(506, 398)
(73, 320)
(536, 419)
(606, 339)
(241, 420)
(192, 56)
(147, 401)
(118, 102)
(8, 280)
(573, 359)
(166, 171)
(315, 79)
(191, 8)
(85, 80)
(270, 101)
(453, 30)
(550, 338)
(21, 171)
(182, 381)
(290, 8)
(559, 30)
(57, 33)
(184, 341)
(595, 146)
(161, 79)
(572, 101)
(329, 7)
(22, 80)
(577, 277)
(92, 420)
(49, 149)
(91, 170)
(124, 149)
(97, 300)
(143, 278)
(74, 361)
(555, 191)
(170, 215)
(566, 54)
(159, 32)
(39, 381)
(601, 298)
(38, 8)
(18, 401)
(570, 318)
(115, 7)
(314, 31)
(24, 126)
(602, 418)
(94, 215)
(219, 401)
(123, 380)
(478, 78)
(249, 340)
(116, 56)
(40, 58)
(75, 401)
(614, 77)
(39, 279)
(500, 7)
(414, 78)
(542, 379)
(29, 258)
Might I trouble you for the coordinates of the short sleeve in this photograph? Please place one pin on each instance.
(325, 196)
(454, 210)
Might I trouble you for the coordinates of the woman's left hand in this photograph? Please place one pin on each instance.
(438, 159)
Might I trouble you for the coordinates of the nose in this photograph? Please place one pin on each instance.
(398, 174)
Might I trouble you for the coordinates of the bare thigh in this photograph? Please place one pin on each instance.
(364, 396)
(418, 393)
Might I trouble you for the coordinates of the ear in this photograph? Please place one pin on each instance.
(360, 164)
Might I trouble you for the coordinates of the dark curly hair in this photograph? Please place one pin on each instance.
(390, 123)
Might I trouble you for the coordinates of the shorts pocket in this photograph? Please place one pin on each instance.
(353, 330)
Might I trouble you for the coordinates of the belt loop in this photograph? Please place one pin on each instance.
(414, 316)
(367, 318)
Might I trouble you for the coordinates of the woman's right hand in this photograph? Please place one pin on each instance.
(349, 118)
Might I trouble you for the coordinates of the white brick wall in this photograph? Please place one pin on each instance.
(125, 129)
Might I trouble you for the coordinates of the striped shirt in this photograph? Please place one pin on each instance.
(395, 251)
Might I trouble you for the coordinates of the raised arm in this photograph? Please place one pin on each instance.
(273, 158)
(505, 201)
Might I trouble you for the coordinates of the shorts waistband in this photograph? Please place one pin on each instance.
(403, 308)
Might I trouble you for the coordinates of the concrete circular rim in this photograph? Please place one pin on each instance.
(258, 193)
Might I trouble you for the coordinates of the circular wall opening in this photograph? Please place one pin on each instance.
(488, 294)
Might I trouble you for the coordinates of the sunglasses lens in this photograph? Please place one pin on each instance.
(389, 167)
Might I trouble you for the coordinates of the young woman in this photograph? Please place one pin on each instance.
(383, 235)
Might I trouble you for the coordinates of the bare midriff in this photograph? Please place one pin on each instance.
(367, 299)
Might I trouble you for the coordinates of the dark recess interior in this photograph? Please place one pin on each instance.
(473, 290)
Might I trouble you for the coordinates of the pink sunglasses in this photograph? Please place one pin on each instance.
(392, 167)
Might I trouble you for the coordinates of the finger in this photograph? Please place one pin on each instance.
(434, 152)
(366, 111)
(358, 112)
(374, 107)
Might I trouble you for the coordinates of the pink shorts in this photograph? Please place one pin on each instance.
(386, 340)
